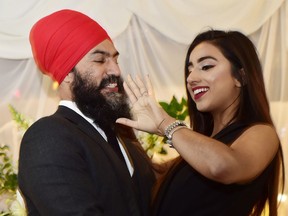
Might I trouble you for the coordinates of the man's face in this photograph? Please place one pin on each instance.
(100, 63)
(98, 88)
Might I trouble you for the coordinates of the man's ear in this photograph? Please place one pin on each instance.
(69, 78)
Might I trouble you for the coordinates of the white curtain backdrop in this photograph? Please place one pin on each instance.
(152, 37)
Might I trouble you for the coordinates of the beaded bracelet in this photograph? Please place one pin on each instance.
(171, 129)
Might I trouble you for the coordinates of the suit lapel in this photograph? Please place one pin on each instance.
(119, 167)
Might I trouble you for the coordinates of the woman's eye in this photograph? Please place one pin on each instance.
(206, 67)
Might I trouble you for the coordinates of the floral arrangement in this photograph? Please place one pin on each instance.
(8, 173)
(154, 144)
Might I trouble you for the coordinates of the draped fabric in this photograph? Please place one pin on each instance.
(152, 37)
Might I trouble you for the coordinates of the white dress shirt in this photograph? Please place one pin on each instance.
(72, 105)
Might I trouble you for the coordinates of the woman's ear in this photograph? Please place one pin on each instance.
(242, 82)
(237, 83)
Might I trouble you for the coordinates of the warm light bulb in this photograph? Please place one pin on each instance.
(55, 85)
(282, 197)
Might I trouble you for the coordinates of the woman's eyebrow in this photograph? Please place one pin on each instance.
(206, 57)
(190, 64)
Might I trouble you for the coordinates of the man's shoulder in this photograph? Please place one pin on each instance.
(52, 122)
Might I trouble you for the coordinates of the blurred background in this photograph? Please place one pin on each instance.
(152, 37)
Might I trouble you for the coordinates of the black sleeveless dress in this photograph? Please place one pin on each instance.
(185, 192)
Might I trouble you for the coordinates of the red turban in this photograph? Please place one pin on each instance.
(60, 40)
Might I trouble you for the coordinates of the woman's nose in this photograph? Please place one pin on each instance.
(193, 77)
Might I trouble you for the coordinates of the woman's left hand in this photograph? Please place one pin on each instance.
(146, 111)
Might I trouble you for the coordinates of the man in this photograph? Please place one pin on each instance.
(66, 165)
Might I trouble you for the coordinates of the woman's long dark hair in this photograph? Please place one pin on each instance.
(253, 105)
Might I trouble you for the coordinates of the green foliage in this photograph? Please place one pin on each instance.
(21, 121)
(6, 214)
(178, 110)
(8, 178)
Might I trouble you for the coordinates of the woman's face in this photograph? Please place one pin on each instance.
(210, 81)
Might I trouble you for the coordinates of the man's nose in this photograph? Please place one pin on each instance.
(113, 68)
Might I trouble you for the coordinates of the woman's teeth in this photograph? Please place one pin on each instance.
(197, 91)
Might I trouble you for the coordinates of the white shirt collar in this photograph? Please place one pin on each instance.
(72, 105)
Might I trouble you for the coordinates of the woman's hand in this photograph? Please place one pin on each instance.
(147, 114)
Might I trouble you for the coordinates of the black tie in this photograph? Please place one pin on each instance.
(112, 140)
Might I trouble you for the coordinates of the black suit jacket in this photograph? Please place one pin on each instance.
(67, 168)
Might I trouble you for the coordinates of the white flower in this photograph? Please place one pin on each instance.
(17, 206)
(151, 143)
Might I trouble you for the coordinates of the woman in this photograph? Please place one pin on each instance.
(230, 159)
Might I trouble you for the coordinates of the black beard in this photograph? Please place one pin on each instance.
(105, 108)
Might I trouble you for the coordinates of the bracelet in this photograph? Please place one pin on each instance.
(169, 141)
(171, 129)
